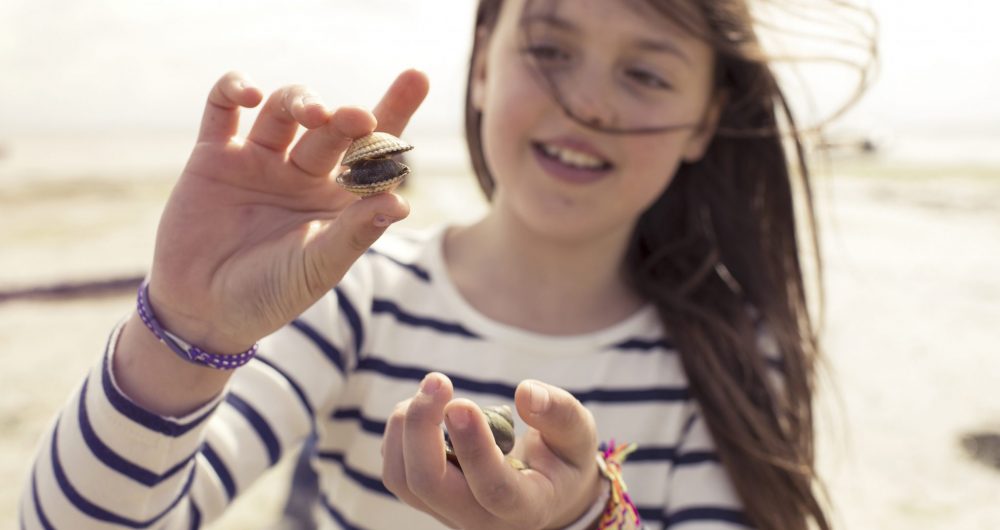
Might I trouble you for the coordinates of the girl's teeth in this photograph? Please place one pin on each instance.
(573, 158)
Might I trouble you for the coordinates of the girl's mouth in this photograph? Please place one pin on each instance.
(570, 163)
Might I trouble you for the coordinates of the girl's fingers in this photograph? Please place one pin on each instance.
(222, 111)
(334, 246)
(566, 426)
(285, 110)
(423, 440)
(394, 466)
(566, 429)
(400, 101)
(429, 476)
(520, 498)
(319, 150)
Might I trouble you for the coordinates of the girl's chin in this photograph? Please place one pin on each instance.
(563, 220)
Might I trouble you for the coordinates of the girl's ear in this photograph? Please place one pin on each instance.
(478, 77)
(699, 141)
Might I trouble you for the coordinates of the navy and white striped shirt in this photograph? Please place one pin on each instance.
(340, 368)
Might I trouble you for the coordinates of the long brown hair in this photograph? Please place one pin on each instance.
(719, 257)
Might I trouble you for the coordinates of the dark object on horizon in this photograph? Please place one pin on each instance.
(864, 145)
(68, 290)
(983, 447)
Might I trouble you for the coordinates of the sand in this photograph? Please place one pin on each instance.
(913, 304)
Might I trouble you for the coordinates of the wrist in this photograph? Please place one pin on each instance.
(184, 349)
(155, 378)
(193, 329)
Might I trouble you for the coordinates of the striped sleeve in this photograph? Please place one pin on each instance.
(108, 463)
(701, 496)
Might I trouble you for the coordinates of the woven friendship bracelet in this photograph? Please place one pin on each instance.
(183, 349)
(620, 513)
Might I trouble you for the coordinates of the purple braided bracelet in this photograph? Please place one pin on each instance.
(182, 348)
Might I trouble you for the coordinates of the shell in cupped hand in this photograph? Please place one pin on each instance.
(500, 418)
(371, 170)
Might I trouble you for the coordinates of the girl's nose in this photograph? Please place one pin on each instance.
(589, 101)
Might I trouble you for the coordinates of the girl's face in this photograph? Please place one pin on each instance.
(617, 63)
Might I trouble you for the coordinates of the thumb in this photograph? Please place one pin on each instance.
(341, 242)
(565, 425)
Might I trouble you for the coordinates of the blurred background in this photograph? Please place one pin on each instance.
(100, 101)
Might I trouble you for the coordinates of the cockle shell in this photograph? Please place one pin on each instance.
(376, 145)
(371, 169)
(501, 422)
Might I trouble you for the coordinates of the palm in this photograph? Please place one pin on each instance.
(255, 231)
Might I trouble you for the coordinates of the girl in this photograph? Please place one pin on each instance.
(636, 278)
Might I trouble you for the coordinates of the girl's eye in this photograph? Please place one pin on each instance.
(648, 79)
(547, 53)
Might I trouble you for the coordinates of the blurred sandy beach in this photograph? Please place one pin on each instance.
(72, 229)
(913, 298)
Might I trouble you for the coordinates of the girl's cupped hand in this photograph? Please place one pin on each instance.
(257, 229)
(560, 483)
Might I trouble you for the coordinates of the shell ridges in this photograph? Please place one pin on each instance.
(375, 145)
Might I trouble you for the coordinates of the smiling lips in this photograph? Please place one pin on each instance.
(571, 161)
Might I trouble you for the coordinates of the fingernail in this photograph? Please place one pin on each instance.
(459, 418)
(429, 385)
(311, 100)
(382, 221)
(538, 398)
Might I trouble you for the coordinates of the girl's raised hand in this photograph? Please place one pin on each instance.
(256, 229)
(561, 481)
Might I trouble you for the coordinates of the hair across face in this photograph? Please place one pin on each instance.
(552, 85)
(647, 73)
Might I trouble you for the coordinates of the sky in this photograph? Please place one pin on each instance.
(127, 65)
(72, 66)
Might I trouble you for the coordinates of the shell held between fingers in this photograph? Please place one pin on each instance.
(371, 170)
(500, 418)
(501, 422)
(376, 145)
